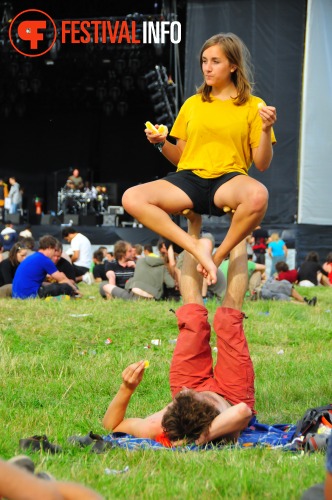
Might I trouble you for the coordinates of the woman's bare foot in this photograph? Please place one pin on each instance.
(206, 266)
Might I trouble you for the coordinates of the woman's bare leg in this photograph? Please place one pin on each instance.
(249, 198)
(151, 204)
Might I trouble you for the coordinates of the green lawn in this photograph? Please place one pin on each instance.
(57, 376)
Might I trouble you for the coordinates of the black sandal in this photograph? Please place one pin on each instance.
(36, 443)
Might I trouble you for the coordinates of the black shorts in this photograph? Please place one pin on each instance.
(200, 191)
(80, 270)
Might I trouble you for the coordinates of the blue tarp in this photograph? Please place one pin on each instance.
(256, 434)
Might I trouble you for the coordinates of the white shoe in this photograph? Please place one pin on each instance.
(88, 278)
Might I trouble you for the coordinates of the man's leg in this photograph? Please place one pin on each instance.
(192, 360)
(295, 294)
(255, 281)
(115, 292)
(234, 371)
(55, 289)
(80, 271)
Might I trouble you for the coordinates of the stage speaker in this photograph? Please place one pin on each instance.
(34, 219)
(14, 218)
(110, 220)
(91, 220)
(115, 210)
(71, 219)
(48, 219)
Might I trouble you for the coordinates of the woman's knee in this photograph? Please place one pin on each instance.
(129, 197)
(135, 197)
(259, 198)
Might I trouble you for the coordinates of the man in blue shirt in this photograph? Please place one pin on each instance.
(29, 277)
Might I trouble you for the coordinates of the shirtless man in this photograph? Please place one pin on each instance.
(208, 404)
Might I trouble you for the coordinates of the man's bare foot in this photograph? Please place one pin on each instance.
(206, 266)
(194, 222)
(229, 210)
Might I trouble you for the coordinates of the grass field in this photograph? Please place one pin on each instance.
(57, 376)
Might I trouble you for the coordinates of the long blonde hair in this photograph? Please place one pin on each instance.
(274, 237)
(238, 54)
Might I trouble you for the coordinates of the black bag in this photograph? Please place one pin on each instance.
(307, 428)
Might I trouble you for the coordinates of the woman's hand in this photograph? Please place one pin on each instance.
(268, 115)
(155, 138)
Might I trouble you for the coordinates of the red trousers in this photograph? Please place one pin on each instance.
(192, 364)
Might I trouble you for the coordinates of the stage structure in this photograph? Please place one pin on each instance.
(70, 108)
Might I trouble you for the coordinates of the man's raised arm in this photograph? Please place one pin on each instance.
(114, 419)
(131, 378)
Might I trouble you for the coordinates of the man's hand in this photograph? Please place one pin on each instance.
(130, 263)
(133, 375)
(227, 424)
(115, 414)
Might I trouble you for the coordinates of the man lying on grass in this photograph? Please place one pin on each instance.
(208, 404)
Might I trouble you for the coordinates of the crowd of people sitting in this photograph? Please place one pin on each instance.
(280, 283)
(135, 271)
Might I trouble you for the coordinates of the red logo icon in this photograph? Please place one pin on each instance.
(32, 33)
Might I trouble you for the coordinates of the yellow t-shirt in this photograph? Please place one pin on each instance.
(219, 135)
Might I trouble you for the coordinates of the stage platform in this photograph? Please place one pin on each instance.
(303, 238)
(108, 235)
(99, 235)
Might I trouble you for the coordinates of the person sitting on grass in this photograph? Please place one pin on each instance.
(311, 272)
(208, 404)
(81, 254)
(273, 289)
(32, 272)
(284, 273)
(327, 266)
(256, 273)
(65, 267)
(8, 268)
(118, 271)
(150, 280)
(98, 271)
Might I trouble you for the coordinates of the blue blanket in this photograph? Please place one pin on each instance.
(256, 434)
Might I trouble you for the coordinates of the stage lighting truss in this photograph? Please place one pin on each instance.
(162, 95)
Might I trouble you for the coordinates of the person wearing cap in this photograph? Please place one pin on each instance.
(8, 237)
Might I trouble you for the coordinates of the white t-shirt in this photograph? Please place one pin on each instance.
(83, 245)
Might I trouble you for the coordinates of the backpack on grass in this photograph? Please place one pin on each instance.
(314, 428)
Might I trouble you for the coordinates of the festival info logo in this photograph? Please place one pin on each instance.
(32, 33)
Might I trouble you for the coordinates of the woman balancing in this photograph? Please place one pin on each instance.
(220, 131)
